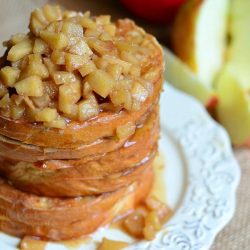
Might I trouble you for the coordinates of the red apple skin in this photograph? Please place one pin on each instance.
(212, 103)
(158, 11)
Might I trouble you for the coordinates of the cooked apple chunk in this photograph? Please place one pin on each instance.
(5, 101)
(88, 109)
(30, 86)
(40, 47)
(52, 12)
(18, 38)
(58, 57)
(80, 47)
(108, 244)
(87, 23)
(58, 123)
(72, 29)
(54, 40)
(74, 62)
(50, 66)
(87, 68)
(17, 111)
(34, 66)
(102, 47)
(115, 70)
(54, 27)
(86, 90)
(62, 77)
(125, 130)
(101, 82)
(3, 90)
(69, 95)
(73, 66)
(40, 18)
(121, 97)
(20, 50)
(9, 75)
(139, 95)
(152, 225)
(41, 101)
(110, 29)
(46, 115)
(114, 60)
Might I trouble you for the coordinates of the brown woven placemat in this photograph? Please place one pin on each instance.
(236, 235)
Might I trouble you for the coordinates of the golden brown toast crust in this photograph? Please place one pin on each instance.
(89, 175)
(59, 219)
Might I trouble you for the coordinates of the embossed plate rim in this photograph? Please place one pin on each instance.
(213, 175)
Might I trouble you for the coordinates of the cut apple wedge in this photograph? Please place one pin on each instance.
(199, 36)
(233, 85)
(239, 47)
(233, 109)
(181, 77)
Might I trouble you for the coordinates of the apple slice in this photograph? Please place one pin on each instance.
(181, 77)
(199, 36)
(233, 84)
(233, 109)
(239, 47)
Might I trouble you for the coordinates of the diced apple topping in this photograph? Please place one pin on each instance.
(50, 66)
(80, 47)
(101, 82)
(62, 77)
(5, 101)
(9, 75)
(134, 224)
(46, 115)
(126, 130)
(41, 101)
(88, 109)
(102, 47)
(121, 97)
(115, 70)
(112, 245)
(87, 23)
(34, 66)
(110, 29)
(17, 111)
(152, 225)
(58, 123)
(114, 60)
(54, 40)
(72, 29)
(139, 95)
(30, 86)
(18, 38)
(20, 50)
(3, 90)
(40, 47)
(69, 95)
(40, 18)
(54, 27)
(72, 66)
(74, 62)
(87, 68)
(147, 219)
(58, 57)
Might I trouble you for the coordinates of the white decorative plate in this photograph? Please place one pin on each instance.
(201, 179)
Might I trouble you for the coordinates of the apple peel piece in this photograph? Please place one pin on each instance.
(199, 36)
(233, 109)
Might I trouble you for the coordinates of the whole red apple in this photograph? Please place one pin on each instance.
(160, 11)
